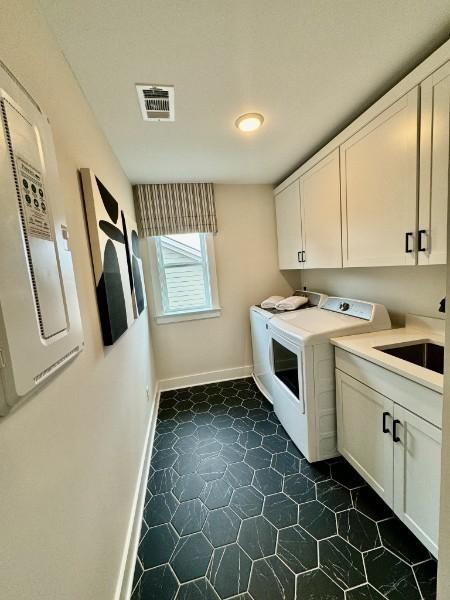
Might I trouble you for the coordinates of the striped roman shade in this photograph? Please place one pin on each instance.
(170, 208)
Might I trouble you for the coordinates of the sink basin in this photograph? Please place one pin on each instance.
(424, 354)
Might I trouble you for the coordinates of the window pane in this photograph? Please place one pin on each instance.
(183, 248)
(184, 274)
(185, 287)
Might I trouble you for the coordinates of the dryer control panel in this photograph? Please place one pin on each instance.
(352, 308)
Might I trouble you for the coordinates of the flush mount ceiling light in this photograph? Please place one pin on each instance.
(249, 122)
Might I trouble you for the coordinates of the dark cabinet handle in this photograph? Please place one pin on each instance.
(394, 435)
(303, 256)
(386, 429)
(299, 256)
(408, 235)
(421, 233)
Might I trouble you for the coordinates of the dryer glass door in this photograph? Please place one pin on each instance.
(285, 366)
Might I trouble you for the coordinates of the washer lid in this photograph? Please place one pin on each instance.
(318, 324)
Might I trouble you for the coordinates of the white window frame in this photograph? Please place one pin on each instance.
(187, 315)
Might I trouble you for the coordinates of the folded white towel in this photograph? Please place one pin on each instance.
(291, 303)
(271, 301)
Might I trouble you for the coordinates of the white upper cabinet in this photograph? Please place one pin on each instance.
(320, 199)
(287, 206)
(434, 167)
(376, 195)
(379, 188)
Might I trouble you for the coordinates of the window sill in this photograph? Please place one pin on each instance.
(188, 316)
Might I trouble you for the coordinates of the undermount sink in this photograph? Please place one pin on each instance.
(424, 354)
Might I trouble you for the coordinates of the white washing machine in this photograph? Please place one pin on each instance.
(302, 368)
(259, 318)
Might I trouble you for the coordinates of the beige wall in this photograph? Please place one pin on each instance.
(69, 458)
(401, 289)
(247, 272)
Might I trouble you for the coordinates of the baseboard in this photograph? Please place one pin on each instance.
(125, 580)
(209, 377)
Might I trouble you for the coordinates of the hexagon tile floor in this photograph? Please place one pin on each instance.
(234, 510)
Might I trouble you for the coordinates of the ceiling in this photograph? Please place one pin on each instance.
(310, 66)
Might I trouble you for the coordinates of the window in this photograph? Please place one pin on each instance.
(184, 269)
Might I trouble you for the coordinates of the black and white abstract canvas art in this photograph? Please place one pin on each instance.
(115, 257)
(135, 271)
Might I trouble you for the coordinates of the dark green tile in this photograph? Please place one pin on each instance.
(370, 504)
(258, 458)
(358, 529)
(274, 443)
(285, 463)
(200, 589)
(247, 502)
(229, 570)
(299, 488)
(216, 494)
(315, 585)
(191, 556)
(397, 538)
(364, 592)
(257, 537)
(271, 579)
(317, 519)
(346, 475)
(160, 509)
(319, 471)
(189, 517)
(334, 495)
(390, 575)
(250, 439)
(157, 583)
(157, 546)
(426, 574)
(297, 549)
(221, 526)
(188, 487)
(239, 474)
(267, 481)
(280, 510)
(341, 562)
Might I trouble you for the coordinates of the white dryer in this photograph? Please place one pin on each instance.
(259, 318)
(302, 368)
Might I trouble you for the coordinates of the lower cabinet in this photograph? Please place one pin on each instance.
(361, 439)
(417, 475)
(395, 451)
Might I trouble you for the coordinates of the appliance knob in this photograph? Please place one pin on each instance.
(344, 306)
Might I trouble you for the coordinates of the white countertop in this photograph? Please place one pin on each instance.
(416, 329)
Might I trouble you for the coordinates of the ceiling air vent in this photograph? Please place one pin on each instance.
(157, 102)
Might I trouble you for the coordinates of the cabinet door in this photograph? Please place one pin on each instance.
(379, 188)
(434, 167)
(361, 440)
(417, 474)
(287, 206)
(320, 196)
